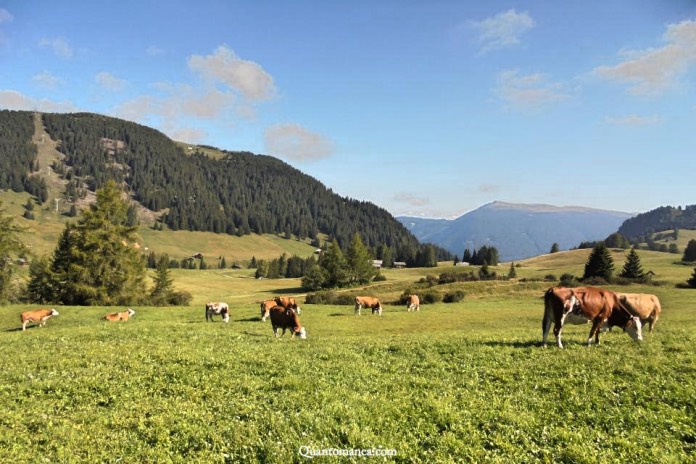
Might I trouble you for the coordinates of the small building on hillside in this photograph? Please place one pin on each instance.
(399, 264)
(377, 263)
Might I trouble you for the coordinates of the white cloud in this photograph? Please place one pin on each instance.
(410, 199)
(294, 142)
(46, 79)
(502, 30)
(154, 50)
(245, 77)
(13, 100)
(5, 16)
(528, 92)
(59, 45)
(633, 120)
(109, 81)
(189, 134)
(655, 70)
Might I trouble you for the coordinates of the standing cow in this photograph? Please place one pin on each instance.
(122, 316)
(599, 305)
(413, 303)
(219, 308)
(282, 318)
(643, 305)
(38, 315)
(368, 302)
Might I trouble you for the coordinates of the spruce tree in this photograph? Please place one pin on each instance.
(93, 263)
(599, 263)
(690, 252)
(163, 289)
(513, 272)
(10, 247)
(554, 248)
(359, 260)
(632, 268)
(692, 281)
(334, 264)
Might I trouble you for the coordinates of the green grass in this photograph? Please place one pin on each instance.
(464, 382)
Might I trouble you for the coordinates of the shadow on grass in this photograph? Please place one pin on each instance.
(339, 314)
(514, 344)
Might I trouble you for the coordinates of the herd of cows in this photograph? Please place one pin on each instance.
(602, 308)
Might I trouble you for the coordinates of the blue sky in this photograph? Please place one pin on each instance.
(425, 108)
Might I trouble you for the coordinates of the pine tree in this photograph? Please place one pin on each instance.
(554, 248)
(692, 281)
(690, 252)
(163, 289)
(360, 269)
(632, 268)
(334, 263)
(513, 272)
(223, 263)
(10, 247)
(93, 264)
(599, 263)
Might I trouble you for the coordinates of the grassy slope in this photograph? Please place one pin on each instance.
(462, 382)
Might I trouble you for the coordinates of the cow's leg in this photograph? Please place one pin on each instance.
(24, 325)
(358, 307)
(275, 331)
(557, 327)
(594, 331)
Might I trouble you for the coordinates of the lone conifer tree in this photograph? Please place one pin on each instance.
(632, 268)
(599, 263)
(692, 281)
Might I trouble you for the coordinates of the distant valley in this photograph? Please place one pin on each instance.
(518, 231)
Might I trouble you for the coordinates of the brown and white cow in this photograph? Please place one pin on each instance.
(220, 308)
(37, 315)
(266, 308)
(368, 302)
(596, 304)
(282, 318)
(122, 316)
(287, 302)
(644, 305)
(413, 303)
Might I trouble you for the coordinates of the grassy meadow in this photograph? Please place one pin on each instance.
(459, 382)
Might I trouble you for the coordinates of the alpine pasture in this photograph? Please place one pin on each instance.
(458, 382)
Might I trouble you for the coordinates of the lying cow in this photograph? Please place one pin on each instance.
(37, 315)
(368, 302)
(282, 318)
(217, 308)
(266, 308)
(122, 316)
(413, 303)
(287, 302)
(644, 305)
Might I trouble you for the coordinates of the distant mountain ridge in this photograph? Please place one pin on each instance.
(518, 231)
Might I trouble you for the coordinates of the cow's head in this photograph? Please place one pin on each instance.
(634, 328)
(130, 312)
(302, 333)
(54, 312)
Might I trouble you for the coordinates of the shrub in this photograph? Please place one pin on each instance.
(431, 297)
(550, 278)
(181, 298)
(380, 278)
(453, 297)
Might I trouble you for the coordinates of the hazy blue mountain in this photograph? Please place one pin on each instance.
(518, 231)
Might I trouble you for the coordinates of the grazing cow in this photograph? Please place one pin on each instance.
(38, 315)
(266, 308)
(122, 316)
(644, 305)
(368, 302)
(220, 308)
(413, 303)
(596, 304)
(287, 302)
(282, 318)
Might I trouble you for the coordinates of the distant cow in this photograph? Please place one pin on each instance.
(266, 308)
(282, 318)
(368, 302)
(219, 308)
(37, 315)
(599, 305)
(122, 316)
(287, 302)
(413, 303)
(643, 305)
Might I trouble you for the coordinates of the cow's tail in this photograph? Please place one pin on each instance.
(548, 316)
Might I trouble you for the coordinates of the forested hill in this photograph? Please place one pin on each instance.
(659, 219)
(238, 194)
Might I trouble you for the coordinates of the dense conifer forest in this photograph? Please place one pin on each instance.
(659, 219)
(241, 193)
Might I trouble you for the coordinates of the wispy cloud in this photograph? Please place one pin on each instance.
(294, 142)
(12, 100)
(46, 79)
(656, 70)
(59, 45)
(410, 199)
(633, 120)
(110, 82)
(529, 92)
(154, 50)
(246, 77)
(5, 17)
(502, 30)
(489, 188)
